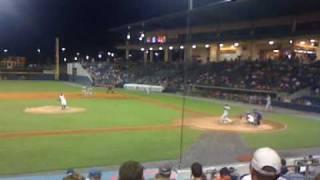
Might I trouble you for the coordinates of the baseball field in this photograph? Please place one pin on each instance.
(108, 129)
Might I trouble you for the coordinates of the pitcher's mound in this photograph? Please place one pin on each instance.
(212, 123)
(53, 110)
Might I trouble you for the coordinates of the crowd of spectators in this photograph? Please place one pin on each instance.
(268, 75)
(266, 164)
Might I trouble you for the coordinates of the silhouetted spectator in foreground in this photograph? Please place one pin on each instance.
(72, 175)
(265, 165)
(224, 174)
(164, 173)
(197, 172)
(94, 175)
(131, 170)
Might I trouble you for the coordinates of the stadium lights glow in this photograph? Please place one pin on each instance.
(207, 46)
(271, 42)
(171, 47)
(109, 53)
(142, 49)
(128, 36)
(181, 47)
(87, 57)
(112, 54)
(99, 56)
(302, 42)
(194, 46)
(236, 44)
(38, 50)
(151, 49)
(65, 59)
(160, 48)
(221, 45)
(75, 58)
(5, 50)
(63, 49)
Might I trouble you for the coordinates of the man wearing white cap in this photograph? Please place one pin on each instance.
(265, 165)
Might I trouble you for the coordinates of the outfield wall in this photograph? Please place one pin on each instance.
(26, 76)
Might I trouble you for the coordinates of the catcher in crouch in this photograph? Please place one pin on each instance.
(253, 118)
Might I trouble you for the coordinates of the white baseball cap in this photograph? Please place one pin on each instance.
(266, 157)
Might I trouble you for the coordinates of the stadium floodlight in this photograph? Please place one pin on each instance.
(221, 45)
(142, 49)
(181, 47)
(194, 46)
(271, 43)
(171, 47)
(302, 43)
(87, 57)
(207, 46)
(160, 48)
(236, 44)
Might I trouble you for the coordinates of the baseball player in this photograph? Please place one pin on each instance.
(225, 116)
(63, 101)
(250, 118)
(268, 103)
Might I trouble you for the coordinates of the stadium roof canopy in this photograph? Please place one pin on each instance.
(226, 11)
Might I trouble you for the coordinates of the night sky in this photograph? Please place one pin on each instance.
(82, 25)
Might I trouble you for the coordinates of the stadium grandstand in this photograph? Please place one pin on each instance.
(238, 53)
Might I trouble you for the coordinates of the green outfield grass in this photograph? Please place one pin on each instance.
(47, 153)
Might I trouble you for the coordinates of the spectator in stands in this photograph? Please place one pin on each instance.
(94, 175)
(131, 170)
(197, 172)
(224, 174)
(265, 165)
(72, 175)
(164, 173)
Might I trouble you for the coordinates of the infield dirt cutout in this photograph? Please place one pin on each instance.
(53, 110)
(238, 125)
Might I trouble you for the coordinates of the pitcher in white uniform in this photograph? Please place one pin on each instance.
(63, 101)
